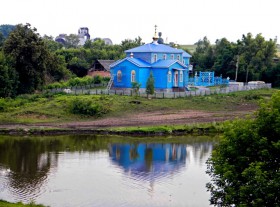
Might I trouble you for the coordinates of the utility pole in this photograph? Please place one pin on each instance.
(237, 65)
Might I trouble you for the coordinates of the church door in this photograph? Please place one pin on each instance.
(176, 79)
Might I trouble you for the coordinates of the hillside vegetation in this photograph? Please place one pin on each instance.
(64, 107)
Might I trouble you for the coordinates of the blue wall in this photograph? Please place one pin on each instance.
(142, 74)
(187, 60)
(125, 67)
(160, 76)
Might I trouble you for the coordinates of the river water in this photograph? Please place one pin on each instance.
(89, 171)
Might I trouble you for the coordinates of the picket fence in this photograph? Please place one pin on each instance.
(200, 92)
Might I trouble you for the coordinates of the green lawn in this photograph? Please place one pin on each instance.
(7, 204)
(56, 108)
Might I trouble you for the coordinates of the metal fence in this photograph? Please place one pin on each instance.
(128, 92)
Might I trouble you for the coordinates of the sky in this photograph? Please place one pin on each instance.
(180, 21)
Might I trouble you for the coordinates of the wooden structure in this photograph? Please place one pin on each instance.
(101, 68)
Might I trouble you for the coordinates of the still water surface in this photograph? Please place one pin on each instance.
(90, 171)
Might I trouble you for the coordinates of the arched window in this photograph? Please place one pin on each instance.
(172, 57)
(119, 76)
(164, 56)
(133, 76)
(181, 76)
(169, 77)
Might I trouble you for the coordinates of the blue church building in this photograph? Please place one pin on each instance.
(169, 67)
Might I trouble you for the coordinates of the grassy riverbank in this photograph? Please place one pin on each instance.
(162, 130)
(57, 108)
(7, 204)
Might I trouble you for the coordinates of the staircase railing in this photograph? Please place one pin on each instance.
(110, 83)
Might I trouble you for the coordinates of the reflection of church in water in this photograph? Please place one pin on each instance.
(149, 159)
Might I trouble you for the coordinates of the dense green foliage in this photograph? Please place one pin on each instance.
(8, 77)
(150, 85)
(245, 166)
(33, 63)
(84, 81)
(90, 106)
(250, 58)
(29, 62)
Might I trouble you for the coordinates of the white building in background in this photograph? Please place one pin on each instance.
(83, 34)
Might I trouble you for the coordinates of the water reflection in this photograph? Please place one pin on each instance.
(149, 159)
(48, 169)
(26, 162)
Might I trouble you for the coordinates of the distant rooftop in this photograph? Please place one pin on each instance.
(152, 47)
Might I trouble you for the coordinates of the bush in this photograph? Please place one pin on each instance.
(244, 167)
(97, 79)
(252, 97)
(89, 107)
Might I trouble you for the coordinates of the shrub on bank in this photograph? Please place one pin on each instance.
(90, 107)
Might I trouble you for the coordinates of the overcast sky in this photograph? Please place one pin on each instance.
(180, 21)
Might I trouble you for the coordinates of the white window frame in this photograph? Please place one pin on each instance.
(164, 56)
(178, 57)
(169, 76)
(181, 76)
(154, 58)
(133, 76)
(172, 56)
(119, 76)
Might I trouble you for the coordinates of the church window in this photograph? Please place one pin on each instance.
(169, 76)
(172, 57)
(181, 76)
(155, 58)
(164, 56)
(178, 57)
(119, 76)
(133, 76)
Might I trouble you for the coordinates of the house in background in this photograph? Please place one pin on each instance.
(101, 68)
(169, 66)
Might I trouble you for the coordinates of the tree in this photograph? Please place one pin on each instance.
(272, 75)
(224, 58)
(72, 41)
(256, 56)
(51, 44)
(8, 77)
(31, 56)
(150, 85)
(136, 87)
(78, 66)
(2, 39)
(245, 166)
(203, 58)
(128, 43)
